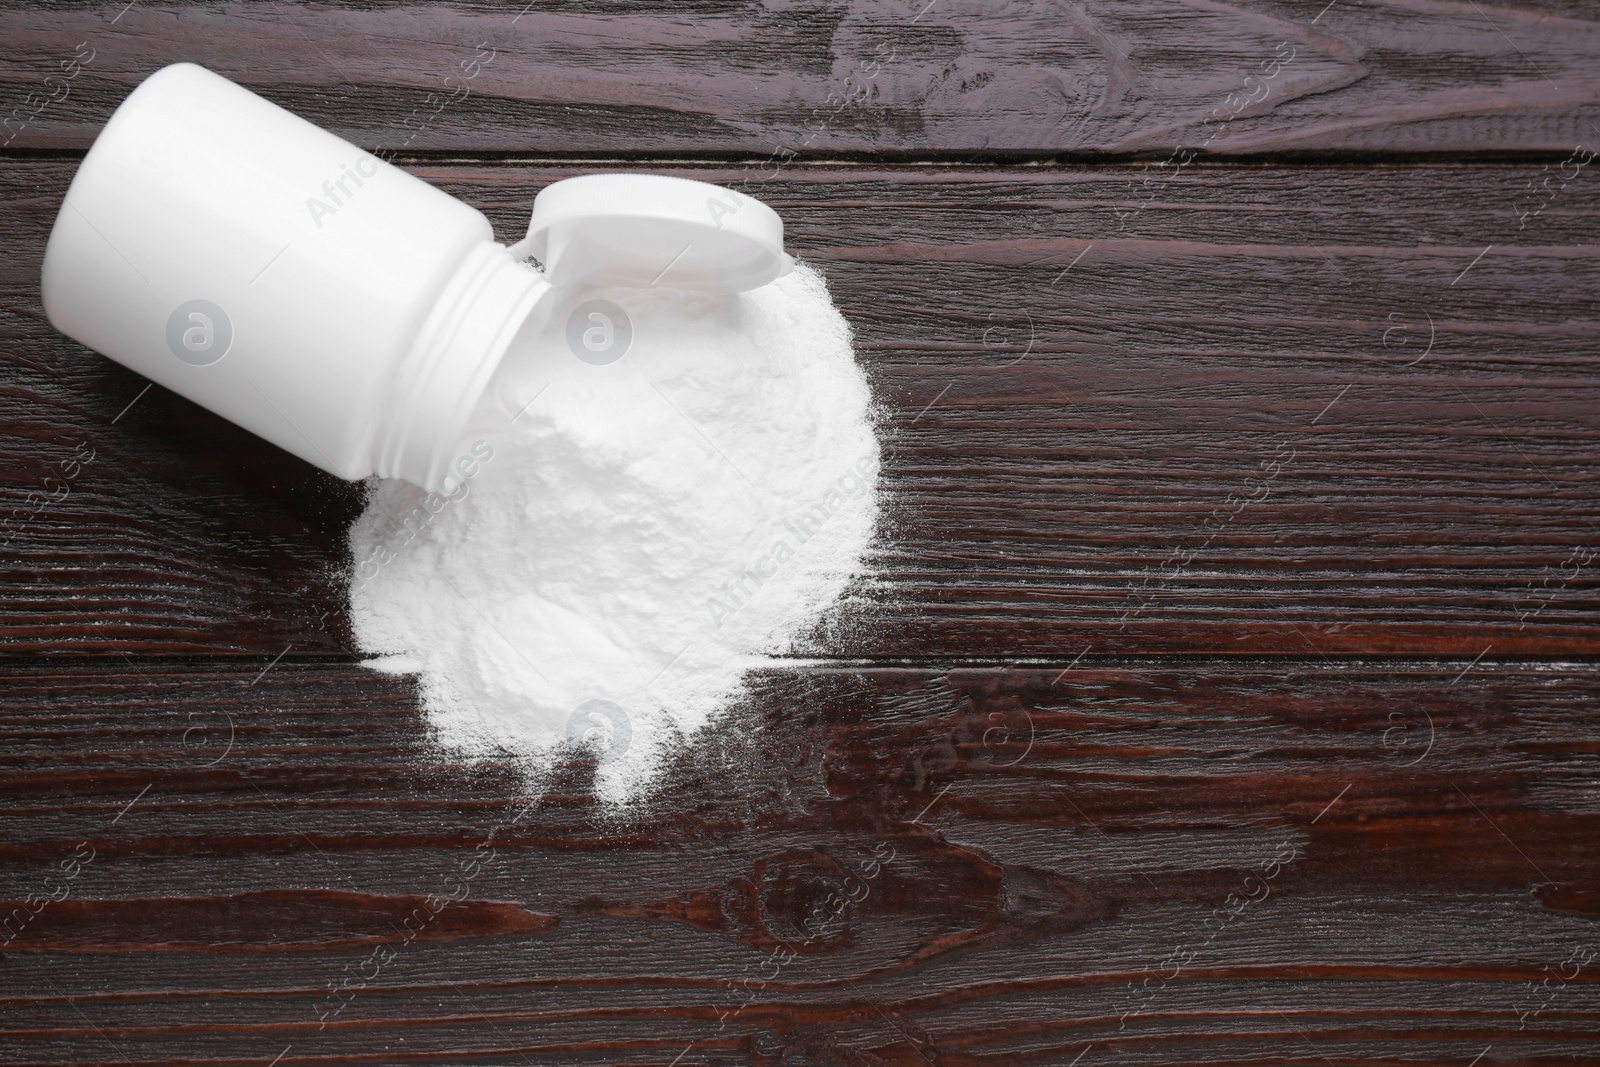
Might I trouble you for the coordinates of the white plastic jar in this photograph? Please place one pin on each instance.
(326, 300)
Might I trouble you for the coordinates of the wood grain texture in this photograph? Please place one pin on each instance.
(269, 920)
(1241, 410)
(955, 77)
(1223, 687)
(1164, 864)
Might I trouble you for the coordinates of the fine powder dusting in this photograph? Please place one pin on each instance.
(623, 541)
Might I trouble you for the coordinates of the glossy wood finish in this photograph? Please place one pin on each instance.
(1224, 687)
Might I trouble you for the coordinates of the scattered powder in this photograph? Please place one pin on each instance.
(626, 540)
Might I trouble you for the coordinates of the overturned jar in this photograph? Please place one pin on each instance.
(330, 302)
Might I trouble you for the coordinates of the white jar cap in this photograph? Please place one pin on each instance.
(647, 230)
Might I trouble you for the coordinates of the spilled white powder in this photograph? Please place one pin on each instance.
(625, 541)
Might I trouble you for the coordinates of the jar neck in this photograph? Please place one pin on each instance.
(448, 366)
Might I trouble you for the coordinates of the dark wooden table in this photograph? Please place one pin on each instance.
(1224, 691)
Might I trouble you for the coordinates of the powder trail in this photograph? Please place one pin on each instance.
(622, 542)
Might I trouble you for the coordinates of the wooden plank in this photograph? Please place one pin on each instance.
(1196, 417)
(1367, 863)
(906, 76)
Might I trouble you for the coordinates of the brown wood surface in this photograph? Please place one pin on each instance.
(952, 76)
(1050, 841)
(1223, 689)
(1083, 426)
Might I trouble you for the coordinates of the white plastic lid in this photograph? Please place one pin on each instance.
(646, 230)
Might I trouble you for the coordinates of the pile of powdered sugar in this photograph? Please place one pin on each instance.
(623, 541)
